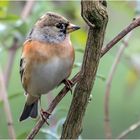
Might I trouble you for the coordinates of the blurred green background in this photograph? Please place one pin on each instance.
(124, 103)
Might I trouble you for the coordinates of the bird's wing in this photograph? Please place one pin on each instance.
(21, 68)
(22, 62)
(22, 74)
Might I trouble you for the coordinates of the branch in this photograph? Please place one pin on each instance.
(135, 23)
(52, 106)
(7, 110)
(13, 49)
(96, 14)
(5, 79)
(63, 92)
(11, 55)
(132, 128)
(27, 9)
(119, 54)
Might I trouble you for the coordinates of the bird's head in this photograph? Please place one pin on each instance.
(52, 27)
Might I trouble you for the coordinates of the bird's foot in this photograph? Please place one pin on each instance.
(45, 115)
(68, 84)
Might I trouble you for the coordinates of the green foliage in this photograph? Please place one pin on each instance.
(3, 8)
(4, 15)
(124, 99)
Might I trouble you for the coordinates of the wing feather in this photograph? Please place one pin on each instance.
(21, 67)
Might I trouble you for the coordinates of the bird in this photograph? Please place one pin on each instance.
(47, 59)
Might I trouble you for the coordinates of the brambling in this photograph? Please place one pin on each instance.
(47, 59)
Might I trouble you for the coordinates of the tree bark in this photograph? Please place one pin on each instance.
(95, 15)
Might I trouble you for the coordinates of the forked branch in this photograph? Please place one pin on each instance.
(95, 14)
(135, 23)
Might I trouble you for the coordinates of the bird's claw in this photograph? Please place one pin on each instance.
(45, 115)
(68, 84)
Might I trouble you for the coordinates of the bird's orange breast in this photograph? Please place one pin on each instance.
(35, 53)
(42, 51)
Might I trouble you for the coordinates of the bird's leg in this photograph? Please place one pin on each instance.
(68, 84)
(44, 114)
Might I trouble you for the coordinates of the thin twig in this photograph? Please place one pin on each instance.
(119, 54)
(135, 23)
(11, 55)
(27, 9)
(13, 49)
(132, 128)
(7, 110)
(64, 91)
(4, 80)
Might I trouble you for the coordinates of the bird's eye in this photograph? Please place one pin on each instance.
(60, 25)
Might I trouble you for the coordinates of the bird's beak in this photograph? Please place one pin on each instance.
(71, 28)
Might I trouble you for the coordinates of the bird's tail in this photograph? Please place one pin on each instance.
(29, 111)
